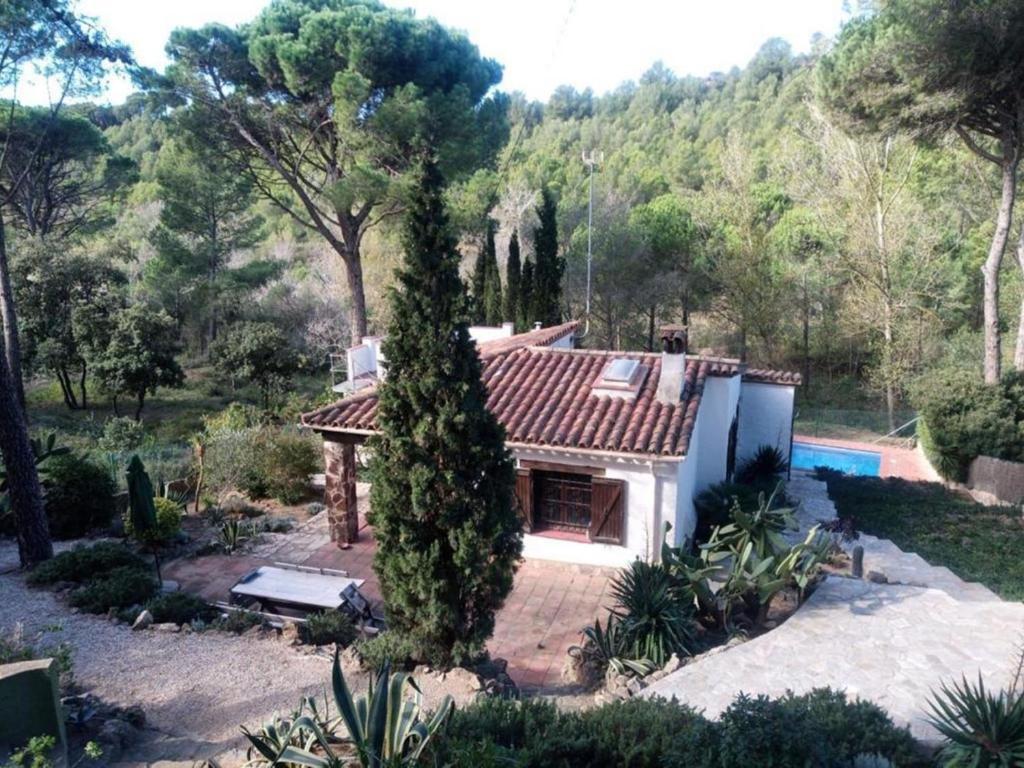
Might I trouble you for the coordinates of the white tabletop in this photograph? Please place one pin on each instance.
(296, 587)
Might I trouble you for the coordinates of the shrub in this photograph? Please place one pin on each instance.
(238, 621)
(391, 646)
(328, 627)
(820, 728)
(640, 733)
(962, 418)
(180, 608)
(287, 463)
(120, 588)
(168, 521)
(765, 466)
(84, 563)
(121, 434)
(79, 496)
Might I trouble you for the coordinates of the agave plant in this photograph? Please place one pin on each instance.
(656, 610)
(609, 646)
(231, 535)
(982, 729)
(384, 727)
(767, 463)
(762, 528)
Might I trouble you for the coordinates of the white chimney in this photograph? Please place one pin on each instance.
(673, 363)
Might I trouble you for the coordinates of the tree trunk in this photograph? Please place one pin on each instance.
(26, 495)
(1018, 352)
(81, 386)
(354, 276)
(990, 270)
(651, 317)
(138, 409)
(9, 320)
(65, 388)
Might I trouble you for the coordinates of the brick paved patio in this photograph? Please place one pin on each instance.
(549, 605)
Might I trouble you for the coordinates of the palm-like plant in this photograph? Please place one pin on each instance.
(982, 729)
(767, 463)
(384, 727)
(762, 528)
(656, 610)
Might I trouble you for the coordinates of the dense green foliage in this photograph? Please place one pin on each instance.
(121, 587)
(441, 501)
(327, 628)
(255, 352)
(166, 527)
(963, 418)
(79, 496)
(84, 563)
(180, 608)
(821, 728)
(977, 543)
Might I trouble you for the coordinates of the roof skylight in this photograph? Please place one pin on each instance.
(620, 370)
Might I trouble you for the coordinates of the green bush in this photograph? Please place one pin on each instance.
(328, 627)
(238, 622)
(79, 496)
(655, 609)
(764, 467)
(820, 729)
(287, 463)
(391, 646)
(962, 418)
(180, 608)
(168, 521)
(121, 434)
(120, 588)
(84, 563)
(714, 505)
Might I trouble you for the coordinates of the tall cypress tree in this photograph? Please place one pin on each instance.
(547, 289)
(492, 285)
(477, 305)
(524, 315)
(448, 538)
(513, 276)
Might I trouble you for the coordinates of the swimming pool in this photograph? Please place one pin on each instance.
(811, 455)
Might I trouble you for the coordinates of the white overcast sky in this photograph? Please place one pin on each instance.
(541, 43)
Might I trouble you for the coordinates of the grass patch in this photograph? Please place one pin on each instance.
(976, 542)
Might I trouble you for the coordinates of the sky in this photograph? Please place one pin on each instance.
(541, 43)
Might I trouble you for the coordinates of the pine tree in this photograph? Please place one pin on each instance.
(492, 284)
(547, 289)
(513, 277)
(448, 538)
(524, 316)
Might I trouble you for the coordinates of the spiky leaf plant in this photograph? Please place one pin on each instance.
(983, 729)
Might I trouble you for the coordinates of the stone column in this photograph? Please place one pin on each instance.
(340, 491)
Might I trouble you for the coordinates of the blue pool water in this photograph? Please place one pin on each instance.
(809, 456)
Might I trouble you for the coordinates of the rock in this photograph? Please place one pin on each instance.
(167, 626)
(114, 735)
(634, 686)
(143, 621)
(673, 663)
(462, 679)
(186, 629)
(290, 634)
(876, 578)
(134, 716)
(169, 585)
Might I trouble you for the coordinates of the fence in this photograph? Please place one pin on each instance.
(849, 424)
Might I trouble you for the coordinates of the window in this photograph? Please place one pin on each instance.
(562, 502)
(620, 370)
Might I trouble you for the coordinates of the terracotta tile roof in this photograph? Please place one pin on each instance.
(541, 337)
(543, 397)
(768, 376)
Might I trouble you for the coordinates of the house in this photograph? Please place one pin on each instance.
(609, 446)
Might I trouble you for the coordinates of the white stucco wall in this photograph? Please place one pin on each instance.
(482, 333)
(766, 418)
(566, 342)
(650, 499)
(717, 408)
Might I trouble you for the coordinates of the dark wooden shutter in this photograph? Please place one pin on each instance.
(607, 510)
(524, 497)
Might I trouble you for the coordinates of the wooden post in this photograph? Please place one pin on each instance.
(340, 491)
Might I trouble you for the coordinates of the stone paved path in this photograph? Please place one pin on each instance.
(888, 643)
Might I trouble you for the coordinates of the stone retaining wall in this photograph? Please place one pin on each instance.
(1001, 481)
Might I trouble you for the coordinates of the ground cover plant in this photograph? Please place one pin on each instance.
(976, 542)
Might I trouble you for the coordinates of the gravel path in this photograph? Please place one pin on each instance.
(196, 688)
